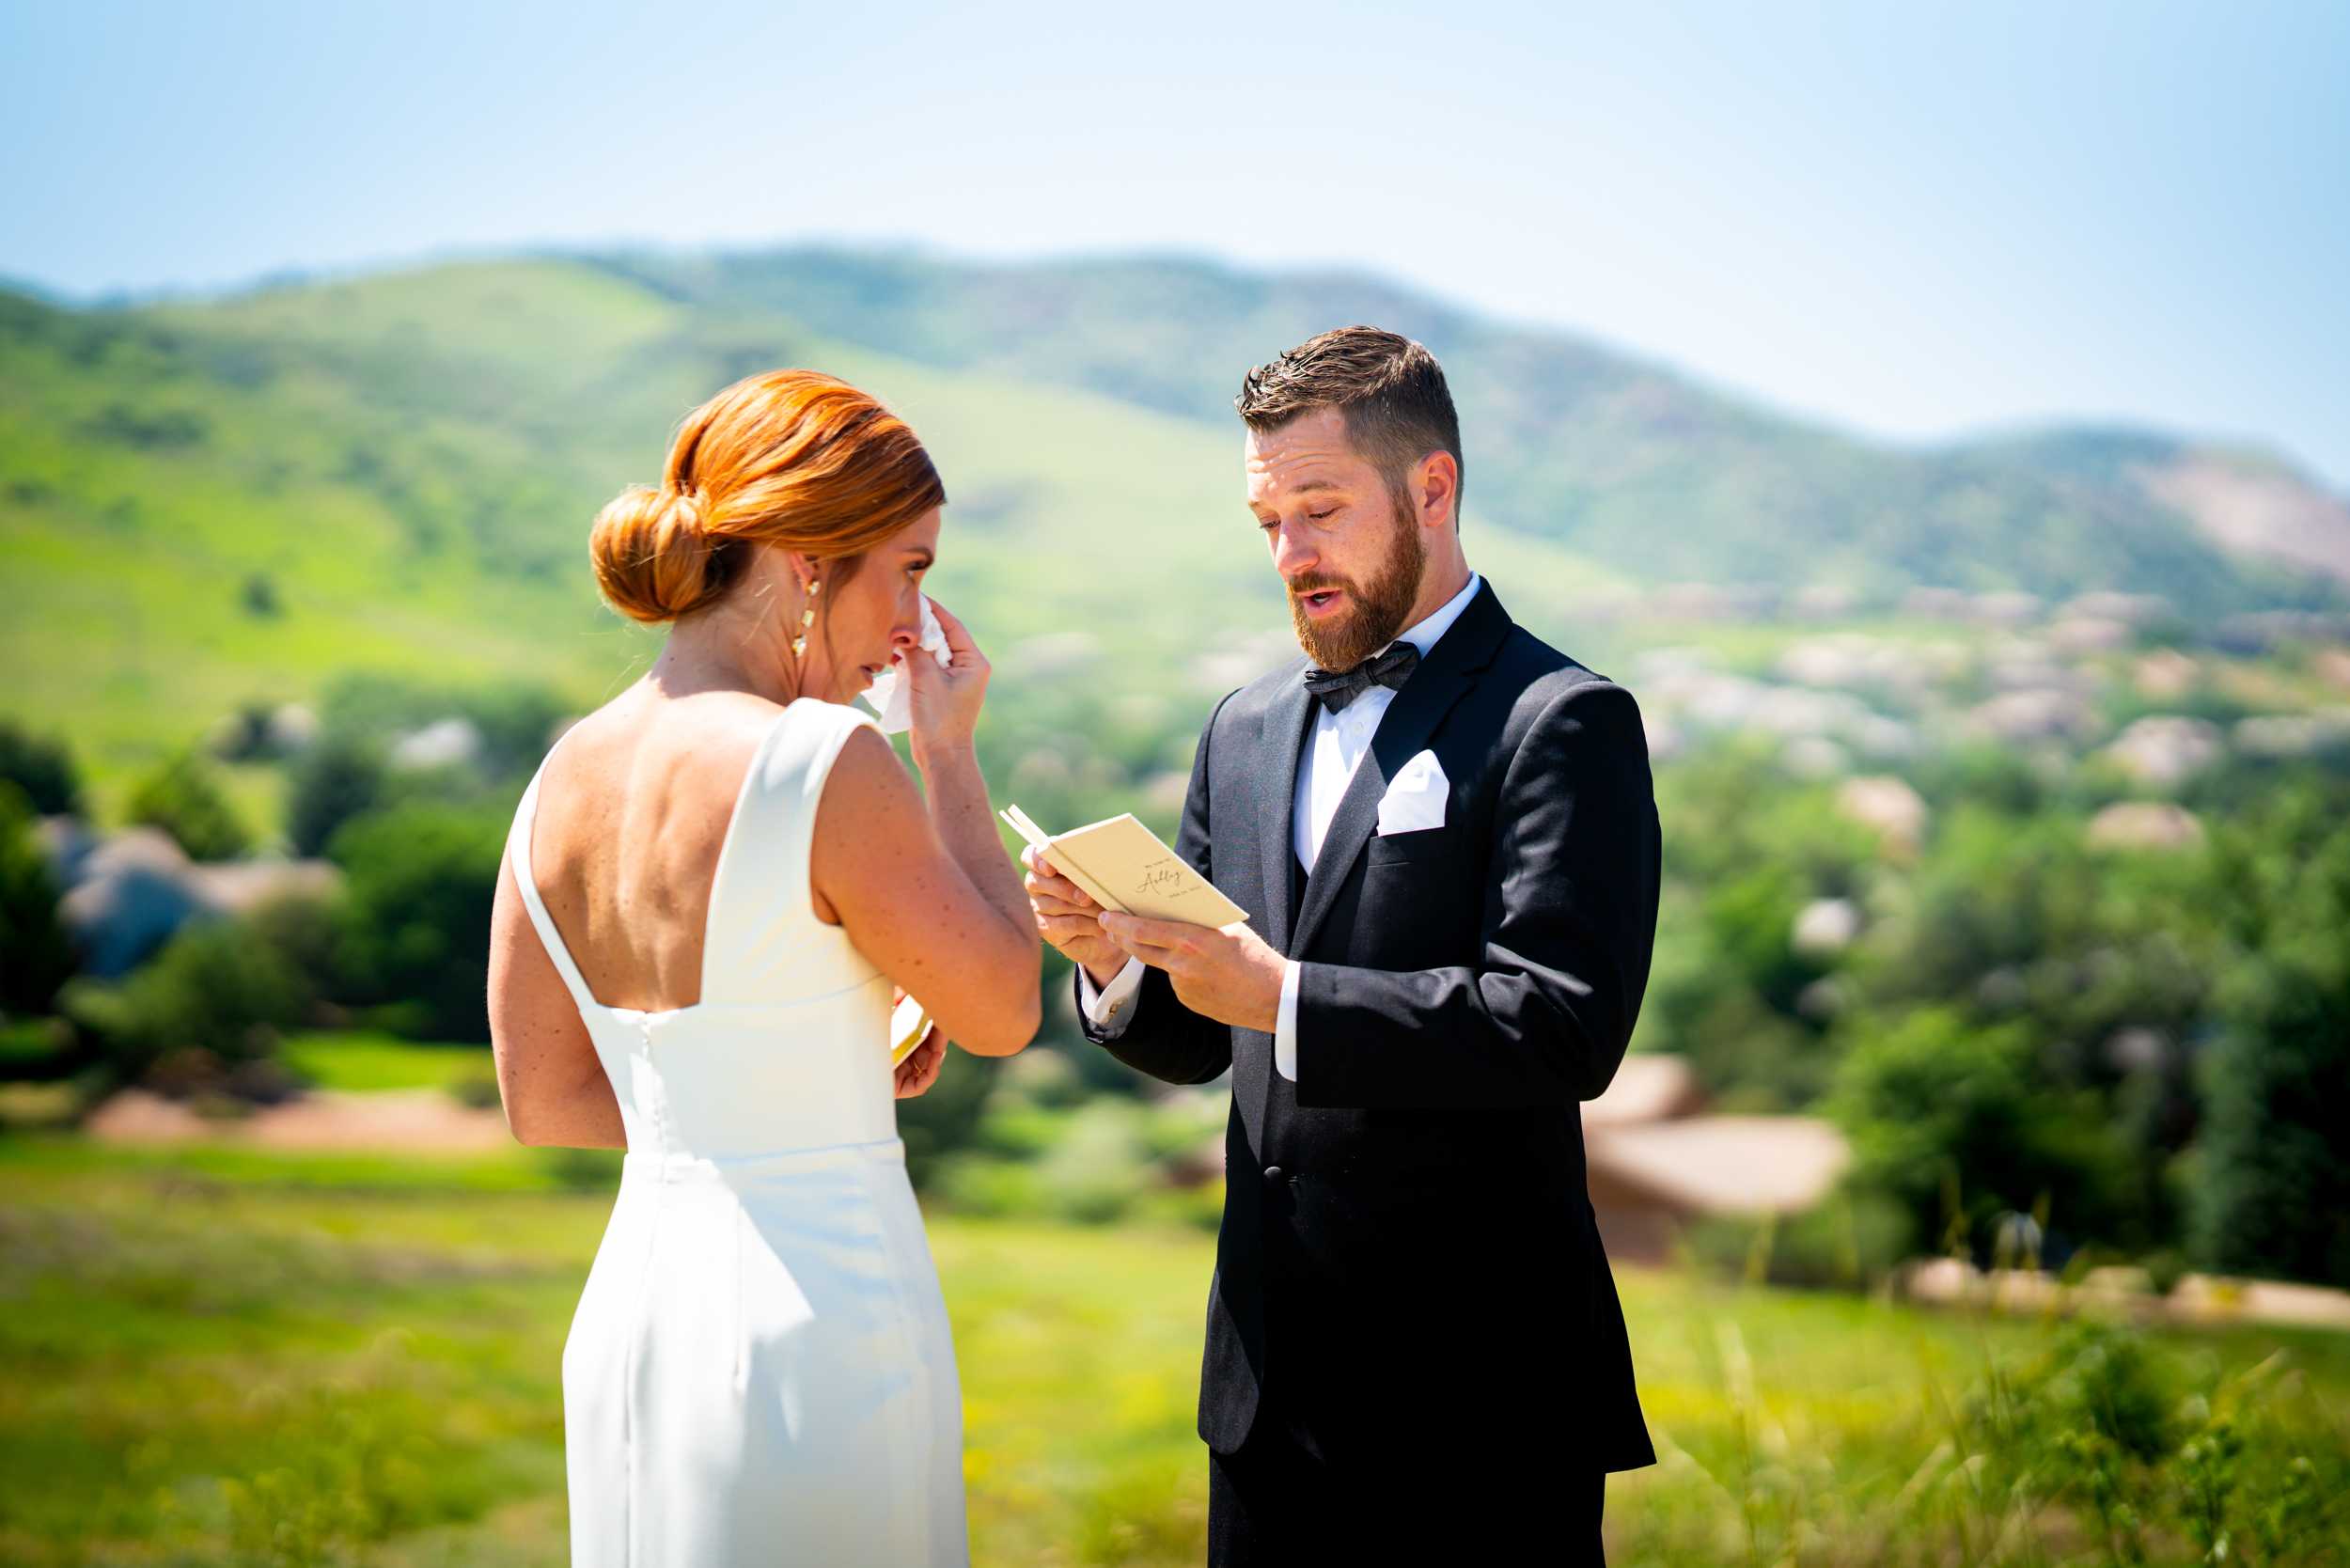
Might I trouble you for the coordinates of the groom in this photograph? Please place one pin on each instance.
(1443, 835)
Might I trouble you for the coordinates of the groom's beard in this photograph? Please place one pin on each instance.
(1378, 606)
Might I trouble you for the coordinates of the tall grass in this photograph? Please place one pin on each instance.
(282, 1361)
(210, 1371)
(1860, 1432)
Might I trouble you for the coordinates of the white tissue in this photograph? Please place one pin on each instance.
(891, 693)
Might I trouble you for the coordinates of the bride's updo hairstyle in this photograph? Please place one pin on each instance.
(794, 459)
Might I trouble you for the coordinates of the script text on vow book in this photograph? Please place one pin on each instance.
(1123, 866)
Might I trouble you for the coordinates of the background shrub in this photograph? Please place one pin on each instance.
(945, 1118)
(184, 799)
(2273, 1171)
(421, 878)
(42, 769)
(218, 987)
(335, 780)
(34, 955)
(1952, 1121)
(2274, 1196)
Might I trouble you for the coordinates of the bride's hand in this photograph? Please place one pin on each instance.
(920, 1068)
(947, 701)
(1068, 919)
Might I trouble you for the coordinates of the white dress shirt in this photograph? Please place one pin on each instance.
(1333, 752)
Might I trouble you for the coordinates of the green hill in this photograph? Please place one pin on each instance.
(211, 504)
(215, 503)
(1634, 467)
(208, 505)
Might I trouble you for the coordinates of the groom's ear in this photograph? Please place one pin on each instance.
(1433, 488)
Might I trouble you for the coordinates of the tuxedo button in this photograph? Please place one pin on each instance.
(1272, 1173)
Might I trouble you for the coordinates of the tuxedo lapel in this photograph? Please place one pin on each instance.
(1280, 745)
(1441, 681)
(1287, 721)
(1410, 719)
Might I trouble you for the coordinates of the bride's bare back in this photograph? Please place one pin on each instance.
(634, 808)
(632, 818)
(785, 549)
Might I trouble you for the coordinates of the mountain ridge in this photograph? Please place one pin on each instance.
(1630, 463)
(216, 502)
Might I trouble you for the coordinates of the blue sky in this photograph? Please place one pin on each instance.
(1922, 221)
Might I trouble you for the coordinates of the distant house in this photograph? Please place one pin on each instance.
(127, 894)
(1656, 1164)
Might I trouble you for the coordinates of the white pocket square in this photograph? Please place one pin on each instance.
(1416, 795)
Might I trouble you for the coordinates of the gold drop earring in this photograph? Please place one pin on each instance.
(807, 619)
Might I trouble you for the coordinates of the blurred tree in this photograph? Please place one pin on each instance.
(1752, 917)
(1746, 850)
(1935, 1105)
(335, 780)
(219, 987)
(512, 724)
(947, 1117)
(1989, 777)
(306, 933)
(2274, 1178)
(517, 725)
(1997, 889)
(422, 875)
(34, 958)
(43, 769)
(257, 597)
(184, 799)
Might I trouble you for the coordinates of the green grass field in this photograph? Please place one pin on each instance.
(356, 1062)
(217, 1358)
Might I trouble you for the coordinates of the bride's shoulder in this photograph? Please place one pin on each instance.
(866, 789)
(634, 741)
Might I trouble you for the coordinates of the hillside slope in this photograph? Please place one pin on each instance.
(206, 505)
(1632, 466)
(210, 504)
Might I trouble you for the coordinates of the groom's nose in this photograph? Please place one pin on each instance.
(1294, 549)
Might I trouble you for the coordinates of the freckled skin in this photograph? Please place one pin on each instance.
(644, 793)
(1328, 517)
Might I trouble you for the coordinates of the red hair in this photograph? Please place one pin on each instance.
(795, 458)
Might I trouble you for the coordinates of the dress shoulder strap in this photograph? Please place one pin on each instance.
(518, 852)
(762, 884)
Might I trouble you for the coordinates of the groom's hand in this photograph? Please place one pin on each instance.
(1067, 918)
(1232, 976)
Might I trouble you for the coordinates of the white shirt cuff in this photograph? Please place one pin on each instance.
(1112, 1007)
(1285, 1023)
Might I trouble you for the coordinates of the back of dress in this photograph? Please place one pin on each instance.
(761, 1370)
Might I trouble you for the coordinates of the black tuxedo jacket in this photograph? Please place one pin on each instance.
(1408, 1263)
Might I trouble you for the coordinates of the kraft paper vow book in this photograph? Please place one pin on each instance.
(1121, 865)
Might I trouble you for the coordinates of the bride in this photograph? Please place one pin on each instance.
(709, 889)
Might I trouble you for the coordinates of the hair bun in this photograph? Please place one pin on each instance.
(654, 556)
(791, 460)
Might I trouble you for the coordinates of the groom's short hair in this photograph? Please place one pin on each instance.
(1391, 391)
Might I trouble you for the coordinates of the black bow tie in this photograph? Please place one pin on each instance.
(1389, 669)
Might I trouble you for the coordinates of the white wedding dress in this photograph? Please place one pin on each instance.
(760, 1372)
